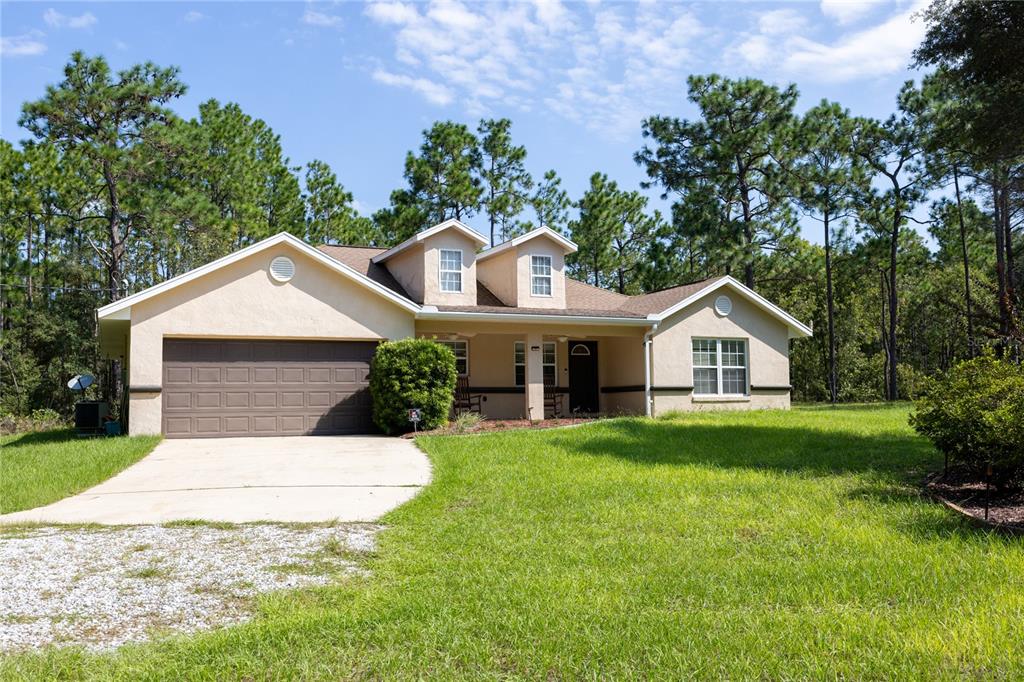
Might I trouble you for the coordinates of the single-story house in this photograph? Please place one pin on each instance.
(277, 338)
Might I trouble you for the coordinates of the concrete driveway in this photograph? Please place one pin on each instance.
(315, 478)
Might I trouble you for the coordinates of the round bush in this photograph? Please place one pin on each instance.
(412, 373)
(974, 413)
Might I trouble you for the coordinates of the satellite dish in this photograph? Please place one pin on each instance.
(80, 382)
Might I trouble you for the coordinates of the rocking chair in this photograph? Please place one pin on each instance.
(464, 400)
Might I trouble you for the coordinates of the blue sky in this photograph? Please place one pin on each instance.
(355, 84)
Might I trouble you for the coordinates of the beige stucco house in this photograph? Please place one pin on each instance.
(277, 337)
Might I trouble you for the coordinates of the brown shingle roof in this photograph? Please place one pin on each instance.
(582, 295)
(359, 258)
(657, 301)
(581, 299)
(485, 297)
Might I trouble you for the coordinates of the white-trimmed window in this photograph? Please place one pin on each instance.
(461, 351)
(549, 363)
(719, 367)
(540, 275)
(451, 270)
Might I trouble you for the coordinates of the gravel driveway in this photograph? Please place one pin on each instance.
(100, 588)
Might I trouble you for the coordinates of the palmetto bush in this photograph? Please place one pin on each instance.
(974, 413)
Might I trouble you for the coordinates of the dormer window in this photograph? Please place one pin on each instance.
(451, 270)
(540, 275)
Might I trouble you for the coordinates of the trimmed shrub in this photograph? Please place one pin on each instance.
(975, 415)
(412, 373)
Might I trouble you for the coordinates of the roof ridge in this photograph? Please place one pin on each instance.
(678, 286)
(352, 246)
(602, 289)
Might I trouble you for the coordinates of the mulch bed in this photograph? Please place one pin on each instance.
(504, 425)
(962, 491)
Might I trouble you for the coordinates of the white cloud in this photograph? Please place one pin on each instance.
(877, 51)
(552, 14)
(315, 18)
(604, 67)
(192, 16)
(845, 12)
(757, 50)
(780, 45)
(392, 12)
(781, 22)
(454, 15)
(25, 45)
(120, 44)
(765, 44)
(55, 19)
(433, 92)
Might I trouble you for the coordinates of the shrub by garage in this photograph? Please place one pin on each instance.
(974, 414)
(412, 373)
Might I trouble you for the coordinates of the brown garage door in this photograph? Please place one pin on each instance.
(265, 388)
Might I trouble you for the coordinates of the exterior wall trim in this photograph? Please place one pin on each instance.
(542, 231)
(429, 232)
(640, 389)
(426, 313)
(109, 310)
(797, 328)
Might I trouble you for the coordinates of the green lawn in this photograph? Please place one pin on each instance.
(746, 545)
(39, 468)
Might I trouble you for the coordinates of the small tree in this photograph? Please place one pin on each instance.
(974, 414)
(412, 373)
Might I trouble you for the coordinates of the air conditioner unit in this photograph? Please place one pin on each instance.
(89, 415)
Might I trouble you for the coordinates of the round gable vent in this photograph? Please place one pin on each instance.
(282, 269)
(723, 305)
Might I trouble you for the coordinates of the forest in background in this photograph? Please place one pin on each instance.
(114, 193)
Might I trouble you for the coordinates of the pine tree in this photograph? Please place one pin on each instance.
(738, 151)
(109, 120)
(506, 182)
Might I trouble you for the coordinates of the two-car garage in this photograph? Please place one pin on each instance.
(244, 347)
(247, 387)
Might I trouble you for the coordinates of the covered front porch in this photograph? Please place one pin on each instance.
(537, 371)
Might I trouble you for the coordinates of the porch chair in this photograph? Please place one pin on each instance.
(464, 400)
(552, 401)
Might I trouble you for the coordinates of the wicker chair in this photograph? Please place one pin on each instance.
(464, 400)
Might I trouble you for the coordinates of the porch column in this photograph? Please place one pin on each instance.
(534, 377)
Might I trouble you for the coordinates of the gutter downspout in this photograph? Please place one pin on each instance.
(647, 369)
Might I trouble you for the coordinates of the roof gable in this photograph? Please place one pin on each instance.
(796, 328)
(417, 238)
(120, 309)
(542, 231)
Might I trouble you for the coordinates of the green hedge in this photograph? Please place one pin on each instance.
(412, 373)
(974, 413)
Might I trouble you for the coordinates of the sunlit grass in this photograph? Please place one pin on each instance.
(39, 468)
(765, 545)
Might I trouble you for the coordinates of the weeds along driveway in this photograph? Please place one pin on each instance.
(240, 480)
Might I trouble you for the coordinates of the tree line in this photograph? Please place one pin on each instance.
(113, 192)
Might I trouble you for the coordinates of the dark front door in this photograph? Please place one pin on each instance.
(583, 377)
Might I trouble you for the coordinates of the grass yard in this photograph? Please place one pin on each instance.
(39, 468)
(745, 545)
